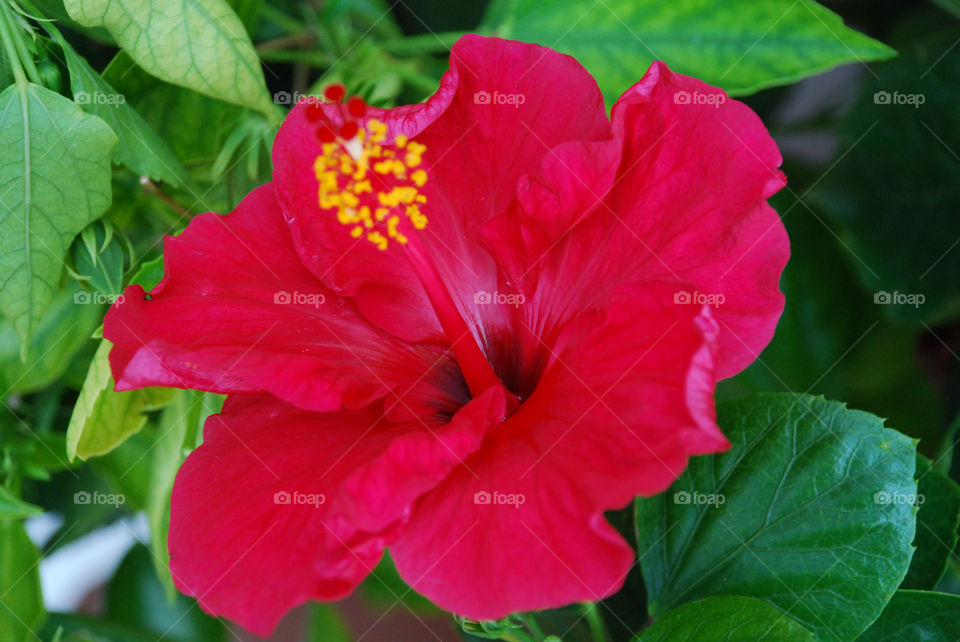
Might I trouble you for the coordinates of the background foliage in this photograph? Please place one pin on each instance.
(121, 120)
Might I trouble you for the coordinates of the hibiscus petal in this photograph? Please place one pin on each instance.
(689, 204)
(500, 108)
(281, 505)
(238, 312)
(626, 399)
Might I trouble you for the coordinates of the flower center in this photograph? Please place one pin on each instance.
(373, 187)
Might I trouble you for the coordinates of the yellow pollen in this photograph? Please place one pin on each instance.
(373, 205)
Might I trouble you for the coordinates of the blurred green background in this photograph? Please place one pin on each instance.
(872, 209)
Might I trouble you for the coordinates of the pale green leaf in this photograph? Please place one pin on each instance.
(54, 180)
(198, 44)
(103, 418)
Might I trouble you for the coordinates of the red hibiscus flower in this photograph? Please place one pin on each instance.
(462, 330)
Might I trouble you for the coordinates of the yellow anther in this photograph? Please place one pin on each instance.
(378, 131)
(374, 206)
(377, 239)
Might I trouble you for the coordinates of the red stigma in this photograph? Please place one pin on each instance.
(356, 107)
(314, 111)
(335, 92)
(325, 134)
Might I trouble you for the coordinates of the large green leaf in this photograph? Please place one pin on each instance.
(21, 606)
(937, 523)
(726, 618)
(140, 148)
(917, 616)
(103, 418)
(54, 180)
(198, 44)
(892, 194)
(740, 46)
(810, 510)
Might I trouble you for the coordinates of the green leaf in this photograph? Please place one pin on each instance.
(180, 425)
(135, 598)
(198, 44)
(192, 124)
(21, 606)
(140, 147)
(809, 510)
(937, 524)
(248, 11)
(102, 418)
(149, 274)
(384, 587)
(63, 330)
(726, 619)
(54, 180)
(326, 624)
(82, 628)
(12, 507)
(740, 46)
(900, 232)
(913, 616)
(951, 6)
(97, 257)
(6, 76)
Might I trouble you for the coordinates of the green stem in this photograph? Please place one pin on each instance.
(47, 23)
(424, 43)
(9, 46)
(533, 626)
(597, 630)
